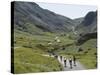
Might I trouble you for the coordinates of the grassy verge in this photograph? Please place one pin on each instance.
(26, 60)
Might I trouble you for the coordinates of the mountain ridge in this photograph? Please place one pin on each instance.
(41, 18)
(89, 23)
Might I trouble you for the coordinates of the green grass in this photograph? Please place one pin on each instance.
(26, 60)
(87, 57)
(89, 61)
(90, 53)
(29, 56)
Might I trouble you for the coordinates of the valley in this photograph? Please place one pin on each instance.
(41, 35)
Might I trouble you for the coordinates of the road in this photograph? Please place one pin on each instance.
(78, 66)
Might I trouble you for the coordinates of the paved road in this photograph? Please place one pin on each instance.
(78, 66)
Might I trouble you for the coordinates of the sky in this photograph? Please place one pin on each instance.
(68, 10)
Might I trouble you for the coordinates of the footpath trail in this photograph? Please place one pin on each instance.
(16, 47)
(78, 66)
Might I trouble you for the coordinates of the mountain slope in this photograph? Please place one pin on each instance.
(30, 17)
(78, 20)
(86, 37)
(89, 23)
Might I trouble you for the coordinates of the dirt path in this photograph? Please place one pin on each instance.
(16, 47)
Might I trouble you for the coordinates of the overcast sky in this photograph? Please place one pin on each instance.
(71, 11)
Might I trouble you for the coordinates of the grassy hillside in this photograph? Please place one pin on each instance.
(29, 16)
(27, 60)
(30, 51)
(87, 56)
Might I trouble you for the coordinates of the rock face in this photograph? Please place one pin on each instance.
(30, 15)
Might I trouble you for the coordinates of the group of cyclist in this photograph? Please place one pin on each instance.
(70, 60)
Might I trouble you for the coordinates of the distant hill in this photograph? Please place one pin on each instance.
(30, 17)
(87, 29)
(78, 20)
(89, 23)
